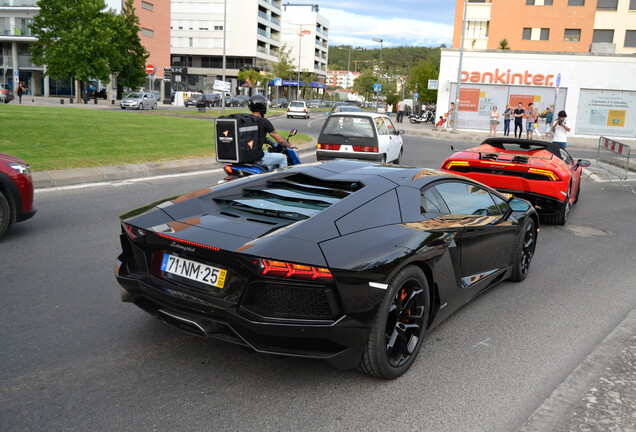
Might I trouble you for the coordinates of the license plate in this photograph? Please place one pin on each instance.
(193, 270)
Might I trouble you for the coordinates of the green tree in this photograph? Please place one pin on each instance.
(284, 67)
(364, 83)
(74, 39)
(130, 55)
(418, 80)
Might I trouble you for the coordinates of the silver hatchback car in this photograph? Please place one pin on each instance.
(6, 94)
(139, 101)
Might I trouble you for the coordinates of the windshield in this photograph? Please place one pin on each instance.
(349, 126)
(133, 96)
(297, 105)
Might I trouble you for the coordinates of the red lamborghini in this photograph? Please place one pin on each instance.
(541, 172)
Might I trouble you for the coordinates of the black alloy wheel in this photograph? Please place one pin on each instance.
(5, 214)
(524, 251)
(396, 334)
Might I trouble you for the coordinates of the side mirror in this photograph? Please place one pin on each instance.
(519, 205)
(292, 132)
(583, 163)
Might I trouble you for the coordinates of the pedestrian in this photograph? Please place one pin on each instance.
(536, 122)
(518, 115)
(494, 121)
(451, 115)
(506, 115)
(440, 123)
(389, 110)
(400, 110)
(529, 115)
(20, 91)
(560, 130)
(548, 122)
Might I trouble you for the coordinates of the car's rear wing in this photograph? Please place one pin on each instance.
(506, 157)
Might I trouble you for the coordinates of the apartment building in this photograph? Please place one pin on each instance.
(607, 26)
(306, 33)
(252, 31)
(341, 78)
(15, 37)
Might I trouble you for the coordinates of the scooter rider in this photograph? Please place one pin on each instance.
(258, 105)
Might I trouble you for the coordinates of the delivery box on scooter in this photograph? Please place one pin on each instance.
(237, 139)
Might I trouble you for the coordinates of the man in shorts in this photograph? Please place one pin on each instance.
(529, 115)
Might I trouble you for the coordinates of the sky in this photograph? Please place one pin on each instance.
(397, 22)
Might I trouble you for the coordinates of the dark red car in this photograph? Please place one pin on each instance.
(16, 191)
(541, 172)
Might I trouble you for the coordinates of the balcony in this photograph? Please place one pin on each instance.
(271, 2)
(19, 3)
(15, 31)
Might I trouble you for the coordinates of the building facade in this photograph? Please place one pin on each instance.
(597, 91)
(599, 26)
(15, 37)
(341, 78)
(306, 33)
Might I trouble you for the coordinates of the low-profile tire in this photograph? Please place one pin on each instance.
(5, 214)
(383, 160)
(400, 323)
(140, 107)
(524, 250)
(562, 216)
(398, 161)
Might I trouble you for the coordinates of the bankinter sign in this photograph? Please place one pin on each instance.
(506, 77)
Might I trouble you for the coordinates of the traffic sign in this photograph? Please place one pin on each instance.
(377, 87)
(558, 80)
(221, 85)
(278, 82)
(416, 95)
(433, 84)
(150, 69)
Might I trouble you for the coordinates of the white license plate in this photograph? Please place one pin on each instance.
(193, 270)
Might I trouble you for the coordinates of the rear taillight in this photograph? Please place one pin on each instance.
(365, 149)
(288, 270)
(551, 175)
(329, 146)
(227, 169)
(133, 232)
(451, 164)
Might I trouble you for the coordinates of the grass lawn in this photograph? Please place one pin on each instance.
(53, 138)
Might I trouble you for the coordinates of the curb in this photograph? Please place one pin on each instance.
(562, 403)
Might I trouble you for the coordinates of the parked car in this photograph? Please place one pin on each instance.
(541, 172)
(364, 136)
(241, 101)
(315, 103)
(6, 93)
(16, 191)
(349, 262)
(209, 99)
(139, 101)
(280, 103)
(298, 109)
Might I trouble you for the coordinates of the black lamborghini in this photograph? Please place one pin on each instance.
(344, 261)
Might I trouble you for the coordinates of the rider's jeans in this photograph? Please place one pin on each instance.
(278, 159)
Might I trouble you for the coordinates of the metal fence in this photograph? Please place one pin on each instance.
(613, 157)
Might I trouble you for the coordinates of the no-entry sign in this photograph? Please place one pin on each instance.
(150, 69)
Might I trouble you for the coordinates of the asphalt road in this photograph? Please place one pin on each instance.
(74, 358)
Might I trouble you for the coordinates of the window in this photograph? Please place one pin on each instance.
(218, 27)
(147, 32)
(547, 3)
(467, 199)
(147, 6)
(529, 2)
(576, 2)
(527, 34)
(630, 39)
(431, 202)
(477, 28)
(632, 4)
(607, 4)
(545, 34)
(603, 36)
(572, 35)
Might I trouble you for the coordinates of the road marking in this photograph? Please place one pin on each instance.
(482, 343)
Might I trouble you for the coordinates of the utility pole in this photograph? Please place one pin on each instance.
(377, 94)
(459, 70)
(224, 58)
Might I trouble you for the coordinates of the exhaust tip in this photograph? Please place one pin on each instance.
(182, 323)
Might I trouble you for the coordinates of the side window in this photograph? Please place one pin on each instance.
(503, 205)
(565, 156)
(382, 129)
(389, 125)
(432, 202)
(467, 199)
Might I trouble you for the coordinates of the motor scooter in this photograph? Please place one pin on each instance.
(239, 170)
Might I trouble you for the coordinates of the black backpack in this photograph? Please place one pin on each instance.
(237, 138)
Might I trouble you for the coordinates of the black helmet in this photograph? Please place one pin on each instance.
(258, 103)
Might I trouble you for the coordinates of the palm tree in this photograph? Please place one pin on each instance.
(503, 44)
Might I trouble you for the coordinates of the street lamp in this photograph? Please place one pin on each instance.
(224, 57)
(377, 94)
(349, 66)
(301, 33)
(459, 71)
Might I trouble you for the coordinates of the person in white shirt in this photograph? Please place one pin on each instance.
(560, 130)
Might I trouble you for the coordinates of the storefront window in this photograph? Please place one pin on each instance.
(572, 35)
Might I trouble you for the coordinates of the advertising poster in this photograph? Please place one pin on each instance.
(476, 102)
(607, 112)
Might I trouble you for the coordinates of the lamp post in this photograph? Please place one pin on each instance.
(459, 71)
(377, 94)
(349, 67)
(301, 33)
(224, 58)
